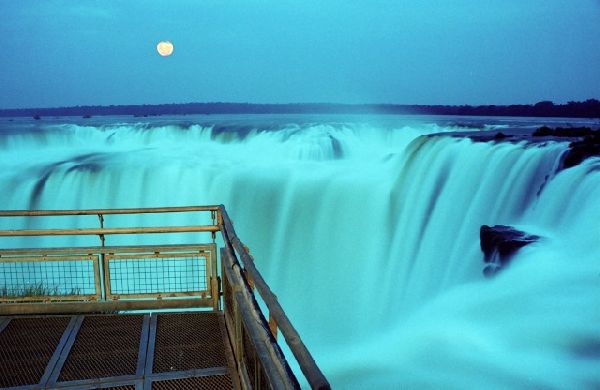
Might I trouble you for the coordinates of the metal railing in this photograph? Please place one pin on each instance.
(114, 278)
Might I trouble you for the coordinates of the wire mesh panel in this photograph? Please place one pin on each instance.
(26, 346)
(106, 346)
(213, 382)
(49, 278)
(189, 341)
(171, 274)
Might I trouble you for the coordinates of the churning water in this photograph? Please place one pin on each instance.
(366, 228)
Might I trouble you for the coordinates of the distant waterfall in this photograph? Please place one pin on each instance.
(369, 236)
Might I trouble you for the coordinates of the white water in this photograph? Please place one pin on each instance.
(369, 235)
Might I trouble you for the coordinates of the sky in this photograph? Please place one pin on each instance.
(86, 52)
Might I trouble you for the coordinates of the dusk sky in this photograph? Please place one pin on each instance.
(62, 53)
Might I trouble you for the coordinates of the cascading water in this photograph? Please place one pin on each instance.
(368, 233)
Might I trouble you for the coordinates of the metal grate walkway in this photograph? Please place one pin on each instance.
(110, 351)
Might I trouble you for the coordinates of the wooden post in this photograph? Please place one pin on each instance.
(103, 264)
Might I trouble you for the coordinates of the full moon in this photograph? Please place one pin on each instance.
(164, 48)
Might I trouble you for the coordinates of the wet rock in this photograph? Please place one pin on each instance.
(546, 131)
(580, 150)
(585, 142)
(499, 243)
(500, 135)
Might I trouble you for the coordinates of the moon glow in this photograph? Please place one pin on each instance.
(164, 48)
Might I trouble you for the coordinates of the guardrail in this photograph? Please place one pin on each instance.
(113, 278)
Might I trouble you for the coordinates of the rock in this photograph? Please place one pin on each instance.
(546, 131)
(589, 146)
(585, 143)
(499, 243)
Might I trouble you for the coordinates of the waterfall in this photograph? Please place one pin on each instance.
(368, 234)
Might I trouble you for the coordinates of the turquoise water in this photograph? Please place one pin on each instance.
(367, 229)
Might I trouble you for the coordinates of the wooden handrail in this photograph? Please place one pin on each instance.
(311, 371)
(271, 358)
(107, 231)
(10, 309)
(101, 249)
(149, 210)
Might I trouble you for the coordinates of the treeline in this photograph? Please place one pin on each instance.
(586, 109)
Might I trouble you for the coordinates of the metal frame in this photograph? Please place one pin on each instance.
(157, 377)
(101, 275)
(149, 256)
(57, 297)
(136, 378)
(243, 280)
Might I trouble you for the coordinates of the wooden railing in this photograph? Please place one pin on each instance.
(277, 316)
(258, 356)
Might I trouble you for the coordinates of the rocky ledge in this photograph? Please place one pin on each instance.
(499, 243)
(584, 142)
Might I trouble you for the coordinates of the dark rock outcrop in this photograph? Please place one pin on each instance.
(546, 131)
(580, 150)
(500, 135)
(585, 143)
(499, 243)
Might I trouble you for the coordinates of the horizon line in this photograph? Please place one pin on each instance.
(291, 104)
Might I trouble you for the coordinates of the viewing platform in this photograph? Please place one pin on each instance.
(157, 316)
